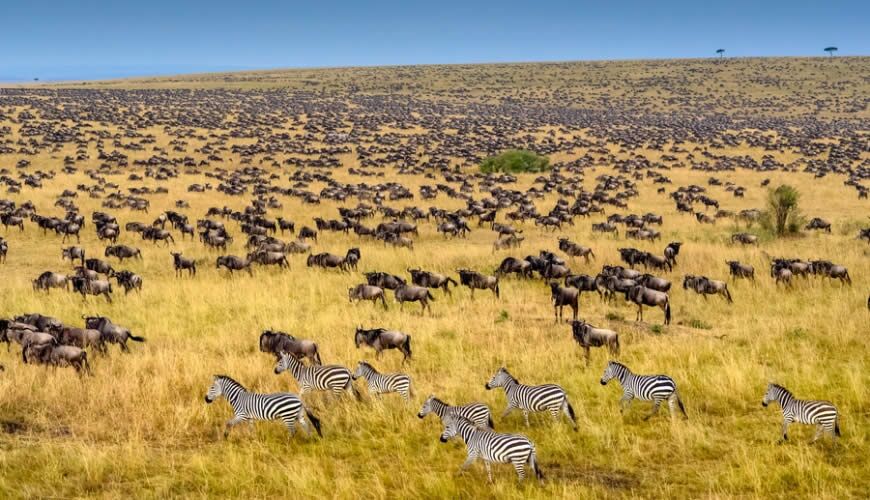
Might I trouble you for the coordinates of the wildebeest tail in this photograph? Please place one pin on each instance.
(616, 346)
(667, 313)
(728, 294)
(497, 291)
(451, 280)
(407, 345)
(680, 404)
(314, 421)
(134, 338)
(429, 295)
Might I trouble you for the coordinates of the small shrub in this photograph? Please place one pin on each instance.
(783, 216)
(796, 334)
(657, 329)
(612, 316)
(502, 316)
(515, 161)
(697, 323)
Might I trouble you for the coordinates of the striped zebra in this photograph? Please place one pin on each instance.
(383, 383)
(317, 377)
(492, 447)
(821, 413)
(250, 406)
(655, 388)
(529, 398)
(478, 413)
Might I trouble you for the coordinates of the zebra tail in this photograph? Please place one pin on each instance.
(490, 422)
(571, 413)
(682, 408)
(314, 421)
(533, 461)
(837, 427)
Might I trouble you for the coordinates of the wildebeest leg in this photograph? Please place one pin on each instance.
(639, 315)
(401, 305)
(586, 353)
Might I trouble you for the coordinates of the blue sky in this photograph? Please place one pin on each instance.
(67, 39)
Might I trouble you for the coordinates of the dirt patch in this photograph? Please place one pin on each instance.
(12, 427)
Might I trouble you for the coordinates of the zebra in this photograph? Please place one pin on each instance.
(492, 447)
(478, 413)
(250, 406)
(383, 383)
(822, 413)
(529, 398)
(318, 377)
(655, 388)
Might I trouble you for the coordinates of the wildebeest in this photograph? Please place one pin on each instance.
(643, 296)
(306, 232)
(705, 286)
(739, 270)
(367, 292)
(234, 263)
(413, 293)
(4, 249)
(583, 283)
(513, 265)
(657, 262)
(605, 227)
(48, 280)
(430, 279)
(588, 336)
(380, 339)
(564, 296)
(112, 333)
(744, 238)
(129, 280)
(384, 280)
(277, 342)
(41, 322)
(123, 252)
(475, 280)
(181, 263)
(99, 266)
(654, 282)
(352, 258)
(73, 253)
(327, 260)
(60, 355)
(575, 250)
(82, 337)
(87, 287)
(817, 223)
(266, 258)
(830, 270)
(12, 220)
(671, 252)
(632, 256)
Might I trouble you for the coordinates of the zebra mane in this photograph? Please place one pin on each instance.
(781, 388)
(508, 374)
(229, 379)
(617, 363)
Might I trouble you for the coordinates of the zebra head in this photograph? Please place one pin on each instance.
(427, 407)
(451, 428)
(612, 371)
(287, 362)
(362, 368)
(216, 390)
(500, 379)
(774, 393)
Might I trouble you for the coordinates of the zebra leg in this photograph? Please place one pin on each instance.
(526, 417)
(507, 410)
(233, 422)
(655, 409)
(625, 402)
(819, 430)
(785, 424)
(488, 470)
(521, 470)
(472, 456)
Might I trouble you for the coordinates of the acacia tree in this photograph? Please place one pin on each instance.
(783, 215)
(830, 50)
(721, 53)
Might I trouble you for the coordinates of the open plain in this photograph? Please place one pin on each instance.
(301, 144)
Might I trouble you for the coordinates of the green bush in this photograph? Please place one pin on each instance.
(783, 216)
(515, 161)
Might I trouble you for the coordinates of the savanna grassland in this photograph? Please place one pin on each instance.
(139, 426)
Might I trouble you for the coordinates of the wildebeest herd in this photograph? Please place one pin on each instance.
(377, 197)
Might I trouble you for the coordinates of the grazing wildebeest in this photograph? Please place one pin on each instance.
(575, 250)
(817, 223)
(297, 247)
(92, 287)
(643, 296)
(588, 336)
(99, 266)
(123, 252)
(111, 332)
(583, 283)
(705, 286)
(744, 238)
(564, 296)
(73, 253)
(671, 252)
(413, 293)
(266, 258)
(129, 280)
(59, 355)
(180, 263)
(380, 339)
(513, 265)
(48, 280)
(384, 280)
(306, 232)
(654, 282)
(280, 342)
(739, 270)
(234, 263)
(657, 262)
(327, 260)
(352, 258)
(82, 337)
(367, 292)
(509, 241)
(475, 280)
(430, 279)
(605, 227)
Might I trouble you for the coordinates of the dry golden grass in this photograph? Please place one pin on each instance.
(140, 428)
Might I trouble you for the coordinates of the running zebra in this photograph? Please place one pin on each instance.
(655, 388)
(492, 447)
(318, 377)
(250, 406)
(821, 413)
(529, 398)
(384, 383)
(478, 413)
